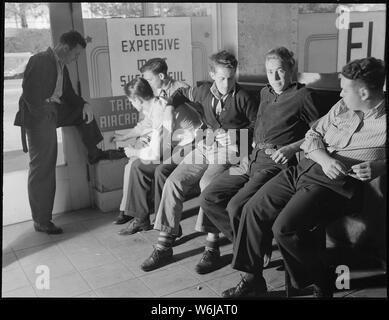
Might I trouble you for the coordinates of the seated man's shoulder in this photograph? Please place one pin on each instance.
(204, 85)
(176, 84)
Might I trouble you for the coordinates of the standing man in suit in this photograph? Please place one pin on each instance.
(48, 101)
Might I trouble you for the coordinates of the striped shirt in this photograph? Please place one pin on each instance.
(349, 136)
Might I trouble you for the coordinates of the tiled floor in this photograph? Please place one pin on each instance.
(91, 260)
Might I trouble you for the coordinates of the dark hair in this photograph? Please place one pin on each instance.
(72, 39)
(370, 71)
(282, 53)
(139, 87)
(156, 66)
(223, 58)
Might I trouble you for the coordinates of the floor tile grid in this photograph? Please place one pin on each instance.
(57, 241)
(120, 259)
(181, 262)
(190, 270)
(21, 267)
(91, 289)
(84, 270)
(69, 260)
(142, 276)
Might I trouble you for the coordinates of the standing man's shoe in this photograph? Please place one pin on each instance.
(135, 226)
(49, 228)
(122, 218)
(209, 262)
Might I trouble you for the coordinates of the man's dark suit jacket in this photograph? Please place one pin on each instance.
(39, 82)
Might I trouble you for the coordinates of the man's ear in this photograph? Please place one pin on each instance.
(364, 93)
(65, 48)
(162, 76)
(212, 75)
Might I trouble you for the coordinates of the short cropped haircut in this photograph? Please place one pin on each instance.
(156, 66)
(370, 71)
(284, 55)
(72, 39)
(224, 59)
(139, 87)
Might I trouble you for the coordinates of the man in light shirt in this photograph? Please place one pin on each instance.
(155, 72)
(343, 149)
(48, 101)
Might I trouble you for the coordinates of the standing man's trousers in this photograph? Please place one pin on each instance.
(42, 140)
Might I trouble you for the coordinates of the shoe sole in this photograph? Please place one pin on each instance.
(120, 222)
(211, 269)
(48, 232)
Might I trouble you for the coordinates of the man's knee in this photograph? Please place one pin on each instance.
(171, 184)
(207, 198)
(280, 229)
(204, 182)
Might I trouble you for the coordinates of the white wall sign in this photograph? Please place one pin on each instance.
(363, 37)
(133, 41)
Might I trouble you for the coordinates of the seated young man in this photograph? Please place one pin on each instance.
(186, 121)
(285, 112)
(225, 106)
(155, 72)
(343, 149)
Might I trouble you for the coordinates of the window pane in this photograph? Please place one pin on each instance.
(27, 31)
(186, 9)
(111, 10)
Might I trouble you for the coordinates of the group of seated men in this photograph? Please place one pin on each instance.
(253, 189)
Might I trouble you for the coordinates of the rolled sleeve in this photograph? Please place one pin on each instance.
(314, 138)
(313, 141)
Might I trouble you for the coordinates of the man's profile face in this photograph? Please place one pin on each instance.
(278, 75)
(155, 80)
(72, 54)
(224, 78)
(350, 93)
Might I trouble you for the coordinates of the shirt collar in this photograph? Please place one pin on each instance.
(378, 110)
(168, 85)
(218, 95)
(57, 59)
